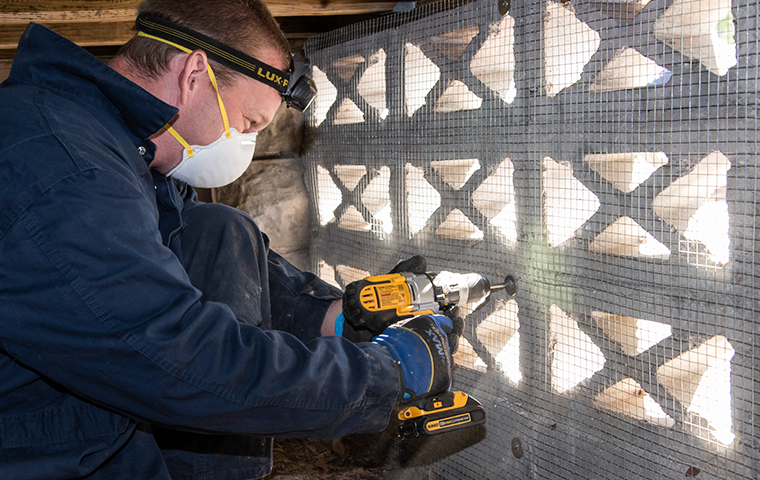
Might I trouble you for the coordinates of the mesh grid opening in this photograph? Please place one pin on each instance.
(603, 153)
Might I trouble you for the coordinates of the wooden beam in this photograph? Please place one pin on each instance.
(118, 33)
(305, 27)
(109, 22)
(299, 8)
(105, 54)
(15, 6)
(69, 16)
(83, 34)
(98, 11)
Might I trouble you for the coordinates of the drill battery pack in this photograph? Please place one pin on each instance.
(440, 414)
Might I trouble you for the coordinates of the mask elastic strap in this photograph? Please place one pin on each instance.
(221, 105)
(212, 77)
(179, 138)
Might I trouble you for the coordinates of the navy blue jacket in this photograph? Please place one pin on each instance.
(100, 327)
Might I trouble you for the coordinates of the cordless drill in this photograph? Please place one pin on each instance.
(375, 303)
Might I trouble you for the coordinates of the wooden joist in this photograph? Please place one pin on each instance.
(83, 34)
(22, 11)
(109, 22)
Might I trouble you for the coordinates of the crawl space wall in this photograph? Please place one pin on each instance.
(604, 153)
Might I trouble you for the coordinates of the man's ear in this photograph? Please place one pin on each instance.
(193, 71)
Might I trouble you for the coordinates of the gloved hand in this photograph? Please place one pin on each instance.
(457, 328)
(415, 264)
(420, 349)
(418, 264)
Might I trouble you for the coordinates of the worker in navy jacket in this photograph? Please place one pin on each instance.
(131, 311)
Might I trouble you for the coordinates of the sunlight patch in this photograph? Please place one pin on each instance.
(700, 380)
(574, 357)
(422, 199)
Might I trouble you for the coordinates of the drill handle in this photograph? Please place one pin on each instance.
(375, 303)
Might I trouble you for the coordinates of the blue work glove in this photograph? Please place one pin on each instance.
(420, 349)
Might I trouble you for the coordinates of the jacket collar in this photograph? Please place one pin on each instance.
(46, 59)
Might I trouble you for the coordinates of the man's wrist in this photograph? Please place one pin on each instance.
(328, 323)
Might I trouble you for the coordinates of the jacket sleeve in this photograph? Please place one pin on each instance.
(296, 300)
(302, 317)
(102, 308)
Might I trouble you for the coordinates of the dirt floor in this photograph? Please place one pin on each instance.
(380, 456)
(358, 457)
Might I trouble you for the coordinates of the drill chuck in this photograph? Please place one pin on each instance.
(464, 288)
(510, 285)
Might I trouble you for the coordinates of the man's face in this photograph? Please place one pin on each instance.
(250, 105)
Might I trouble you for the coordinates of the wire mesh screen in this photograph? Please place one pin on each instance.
(603, 153)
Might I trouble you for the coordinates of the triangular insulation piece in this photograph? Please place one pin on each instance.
(452, 44)
(499, 334)
(457, 97)
(456, 172)
(352, 219)
(575, 357)
(627, 238)
(420, 76)
(467, 358)
(495, 198)
(372, 84)
(569, 44)
(459, 227)
(629, 69)
(626, 171)
(328, 195)
(695, 205)
(326, 96)
(346, 67)
(568, 204)
(348, 113)
(700, 29)
(422, 199)
(628, 398)
(634, 335)
(494, 64)
(700, 380)
(350, 175)
(377, 198)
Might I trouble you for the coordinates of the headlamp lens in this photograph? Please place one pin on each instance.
(301, 94)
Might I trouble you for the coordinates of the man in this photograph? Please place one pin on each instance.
(146, 335)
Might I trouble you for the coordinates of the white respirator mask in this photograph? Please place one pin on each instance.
(222, 161)
(217, 164)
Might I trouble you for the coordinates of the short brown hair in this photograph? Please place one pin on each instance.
(244, 25)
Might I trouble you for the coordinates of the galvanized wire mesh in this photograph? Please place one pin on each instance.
(603, 152)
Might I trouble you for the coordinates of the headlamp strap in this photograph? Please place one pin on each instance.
(217, 51)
